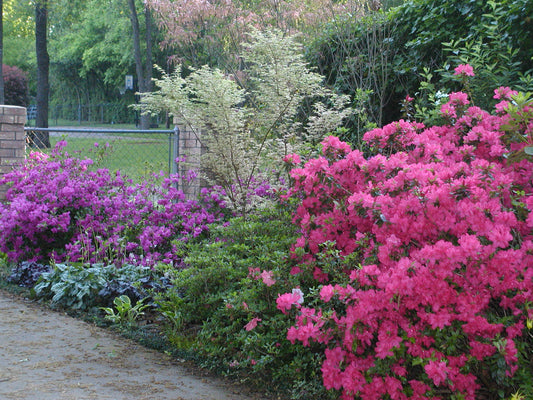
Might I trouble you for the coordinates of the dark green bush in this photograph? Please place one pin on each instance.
(388, 53)
(221, 291)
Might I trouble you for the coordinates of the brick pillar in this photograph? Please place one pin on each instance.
(191, 149)
(12, 140)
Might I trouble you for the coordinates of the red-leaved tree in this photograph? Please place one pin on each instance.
(15, 86)
(211, 32)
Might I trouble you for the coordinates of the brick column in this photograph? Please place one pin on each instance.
(191, 149)
(12, 140)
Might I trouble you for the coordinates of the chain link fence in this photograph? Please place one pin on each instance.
(97, 113)
(136, 153)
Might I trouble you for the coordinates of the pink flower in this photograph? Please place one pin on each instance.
(319, 275)
(295, 270)
(481, 350)
(292, 159)
(327, 292)
(298, 292)
(267, 278)
(437, 371)
(409, 98)
(38, 156)
(252, 324)
(464, 70)
(253, 272)
(285, 301)
(459, 98)
(504, 93)
(448, 110)
(501, 107)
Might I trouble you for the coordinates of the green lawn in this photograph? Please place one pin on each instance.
(89, 124)
(132, 154)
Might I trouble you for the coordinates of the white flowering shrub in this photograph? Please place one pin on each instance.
(249, 120)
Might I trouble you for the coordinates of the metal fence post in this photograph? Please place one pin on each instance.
(175, 149)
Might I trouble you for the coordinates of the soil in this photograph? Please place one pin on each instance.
(48, 355)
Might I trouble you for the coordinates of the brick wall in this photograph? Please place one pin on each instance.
(12, 139)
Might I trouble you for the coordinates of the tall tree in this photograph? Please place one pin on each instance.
(142, 69)
(18, 47)
(42, 139)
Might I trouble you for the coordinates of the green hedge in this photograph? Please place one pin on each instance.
(411, 38)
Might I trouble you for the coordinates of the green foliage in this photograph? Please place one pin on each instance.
(76, 286)
(19, 37)
(4, 266)
(72, 286)
(423, 36)
(126, 312)
(516, 128)
(355, 56)
(489, 51)
(424, 25)
(426, 106)
(221, 291)
(91, 51)
(217, 265)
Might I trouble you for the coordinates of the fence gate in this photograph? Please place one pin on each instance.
(136, 153)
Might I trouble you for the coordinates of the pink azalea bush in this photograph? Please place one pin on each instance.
(58, 208)
(428, 289)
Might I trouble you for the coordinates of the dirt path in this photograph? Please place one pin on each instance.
(45, 355)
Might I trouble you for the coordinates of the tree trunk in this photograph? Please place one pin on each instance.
(144, 72)
(42, 139)
(149, 66)
(2, 97)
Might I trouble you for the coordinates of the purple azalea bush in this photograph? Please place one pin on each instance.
(58, 209)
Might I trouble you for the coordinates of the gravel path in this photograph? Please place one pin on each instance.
(46, 355)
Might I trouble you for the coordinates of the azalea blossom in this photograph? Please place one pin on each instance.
(267, 278)
(464, 70)
(446, 255)
(252, 324)
(502, 106)
(292, 159)
(504, 93)
(298, 292)
(437, 371)
(285, 301)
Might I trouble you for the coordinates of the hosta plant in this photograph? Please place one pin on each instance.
(124, 311)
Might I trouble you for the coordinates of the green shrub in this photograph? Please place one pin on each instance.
(392, 52)
(227, 297)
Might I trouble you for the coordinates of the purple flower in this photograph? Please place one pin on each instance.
(57, 209)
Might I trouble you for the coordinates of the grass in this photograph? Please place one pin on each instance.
(59, 122)
(135, 155)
